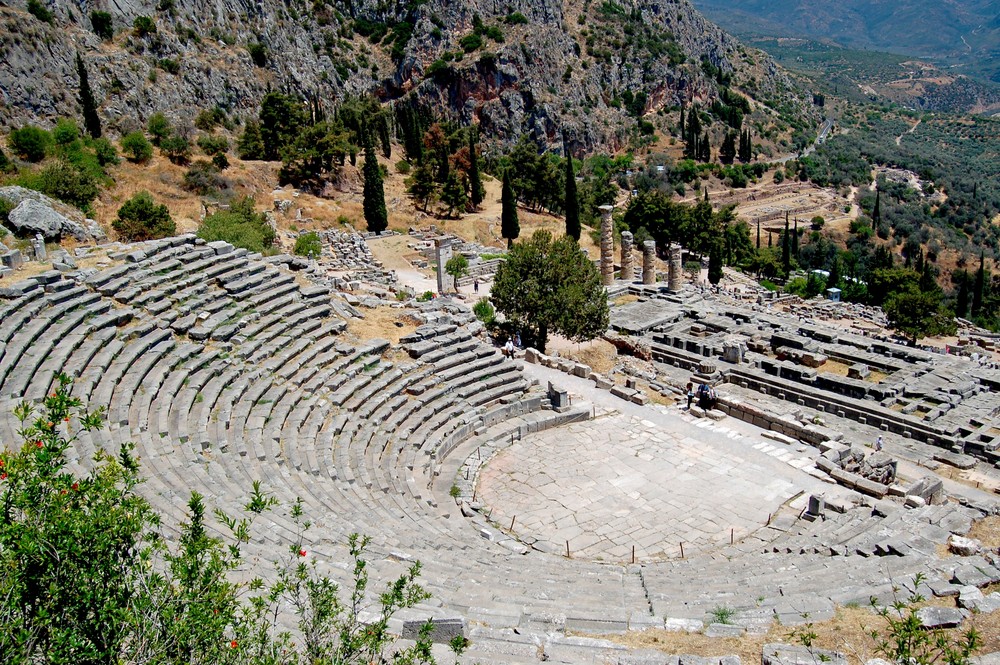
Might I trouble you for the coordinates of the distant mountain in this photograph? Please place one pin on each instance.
(957, 32)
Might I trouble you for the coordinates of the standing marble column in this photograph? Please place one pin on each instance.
(442, 250)
(675, 270)
(628, 270)
(649, 262)
(607, 246)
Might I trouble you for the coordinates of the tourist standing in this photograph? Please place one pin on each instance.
(690, 394)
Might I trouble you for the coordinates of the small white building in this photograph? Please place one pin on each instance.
(833, 295)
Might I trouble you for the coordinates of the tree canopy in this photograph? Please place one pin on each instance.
(551, 286)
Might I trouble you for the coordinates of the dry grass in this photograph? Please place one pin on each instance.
(841, 369)
(987, 531)
(624, 300)
(599, 355)
(382, 323)
(849, 632)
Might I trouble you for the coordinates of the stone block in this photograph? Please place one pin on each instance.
(940, 617)
(581, 370)
(12, 259)
(792, 654)
(724, 630)
(442, 631)
(639, 398)
(964, 546)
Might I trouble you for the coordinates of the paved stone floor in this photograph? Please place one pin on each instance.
(651, 478)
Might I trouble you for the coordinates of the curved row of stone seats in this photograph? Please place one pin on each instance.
(370, 445)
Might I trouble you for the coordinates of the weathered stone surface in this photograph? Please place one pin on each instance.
(36, 213)
(964, 546)
(442, 631)
(940, 617)
(792, 654)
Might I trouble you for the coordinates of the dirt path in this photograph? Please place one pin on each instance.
(899, 139)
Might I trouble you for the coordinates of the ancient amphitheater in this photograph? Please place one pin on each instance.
(575, 501)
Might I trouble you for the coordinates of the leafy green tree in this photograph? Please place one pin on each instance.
(68, 544)
(376, 215)
(457, 266)
(141, 218)
(318, 150)
(176, 148)
(509, 226)
(91, 120)
(309, 245)
(102, 24)
(251, 143)
(572, 204)
(137, 147)
(453, 194)
(30, 143)
(727, 151)
(715, 264)
(545, 286)
(421, 185)
(281, 118)
(917, 314)
(241, 226)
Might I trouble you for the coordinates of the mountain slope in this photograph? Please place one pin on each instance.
(964, 32)
(536, 65)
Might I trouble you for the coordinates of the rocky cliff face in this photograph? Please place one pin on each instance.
(535, 65)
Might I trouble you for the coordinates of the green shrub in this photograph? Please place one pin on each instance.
(483, 309)
(203, 178)
(5, 164)
(137, 147)
(241, 226)
(402, 167)
(471, 43)
(141, 218)
(169, 65)
(39, 11)
(65, 182)
(309, 245)
(258, 53)
(65, 132)
(105, 152)
(208, 119)
(517, 18)
(5, 207)
(176, 148)
(158, 127)
(213, 145)
(30, 142)
(425, 296)
(220, 161)
(494, 33)
(103, 25)
(143, 26)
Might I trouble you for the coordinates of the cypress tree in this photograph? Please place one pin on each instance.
(91, 121)
(705, 149)
(795, 241)
(376, 215)
(979, 290)
(509, 227)
(758, 234)
(877, 210)
(727, 152)
(786, 257)
(962, 300)
(715, 263)
(476, 193)
(833, 281)
(682, 121)
(572, 204)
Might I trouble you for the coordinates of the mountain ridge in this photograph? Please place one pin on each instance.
(538, 66)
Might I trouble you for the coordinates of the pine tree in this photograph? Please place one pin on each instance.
(476, 191)
(376, 215)
(91, 121)
(978, 291)
(572, 203)
(453, 194)
(509, 227)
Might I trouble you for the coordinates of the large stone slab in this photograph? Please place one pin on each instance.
(792, 654)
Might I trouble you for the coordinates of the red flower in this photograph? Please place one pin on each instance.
(3, 476)
(233, 645)
(302, 552)
(51, 425)
(76, 486)
(66, 419)
(1, 463)
(53, 395)
(38, 444)
(62, 491)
